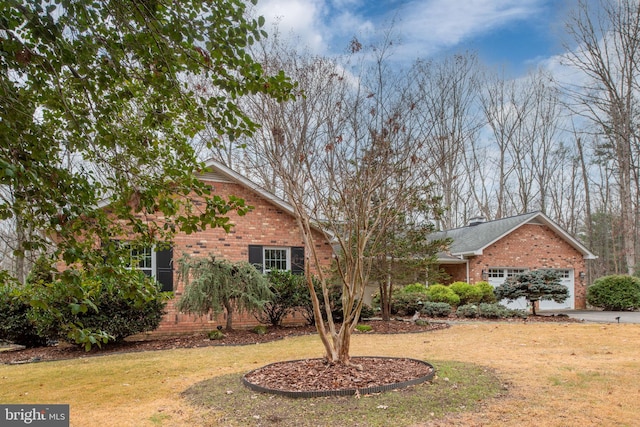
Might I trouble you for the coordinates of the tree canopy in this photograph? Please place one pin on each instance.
(97, 119)
(97, 111)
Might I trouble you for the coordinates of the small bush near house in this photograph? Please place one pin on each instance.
(413, 288)
(436, 309)
(215, 335)
(259, 329)
(407, 304)
(488, 311)
(488, 295)
(498, 311)
(468, 311)
(366, 312)
(364, 328)
(15, 325)
(105, 310)
(288, 292)
(441, 293)
(469, 294)
(616, 293)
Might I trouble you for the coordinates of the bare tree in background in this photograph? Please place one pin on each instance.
(447, 92)
(607, 52)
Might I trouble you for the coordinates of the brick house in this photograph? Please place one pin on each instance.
(492, 251)
(268, 237)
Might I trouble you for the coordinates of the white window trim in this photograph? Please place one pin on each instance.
(279, 248)
(153, 260)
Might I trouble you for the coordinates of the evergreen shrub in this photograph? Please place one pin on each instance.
(615, 293)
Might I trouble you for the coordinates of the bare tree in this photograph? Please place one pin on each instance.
(345, 158)
(607, 52)
(447, 92)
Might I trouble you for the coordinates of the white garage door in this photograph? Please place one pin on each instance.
(569, 304)
(497, 276)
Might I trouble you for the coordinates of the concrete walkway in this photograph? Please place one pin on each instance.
(599, 316)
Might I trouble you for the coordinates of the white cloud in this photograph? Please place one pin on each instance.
(424, 26)
(431, 25)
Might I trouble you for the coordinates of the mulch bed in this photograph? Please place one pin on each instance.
(235, 337)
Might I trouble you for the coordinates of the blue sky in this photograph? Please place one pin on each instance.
(517, 34)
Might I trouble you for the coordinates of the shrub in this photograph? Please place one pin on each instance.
(488, 311)
(616, 293)
(215, 335)
(406, 304)
(441, 293)
(366, 312)
(364, 328)
(259, 329)
(413, 288)
(289, 291)
(498, 311)
(15, 324)
(436, 309)
(488, 296)
(468, 310)
(469, 294)
(103, 308)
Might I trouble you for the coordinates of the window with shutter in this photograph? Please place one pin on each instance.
(267, 258)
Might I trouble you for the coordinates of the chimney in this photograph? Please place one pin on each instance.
(476, 220)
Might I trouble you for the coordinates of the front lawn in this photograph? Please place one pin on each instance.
(552, 374)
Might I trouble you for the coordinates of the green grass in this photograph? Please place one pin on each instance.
(457, 387)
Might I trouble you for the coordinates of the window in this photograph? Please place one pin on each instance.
(143, 259)
(494, 272)
(156, 264)
(267, 258)
(276, 259)
(498, 273)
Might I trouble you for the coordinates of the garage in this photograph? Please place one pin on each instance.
(497, 276)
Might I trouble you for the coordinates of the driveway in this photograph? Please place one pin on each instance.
(599, 316)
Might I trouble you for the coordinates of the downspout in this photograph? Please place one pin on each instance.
(467, 263)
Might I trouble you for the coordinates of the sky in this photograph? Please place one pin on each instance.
(514, 34)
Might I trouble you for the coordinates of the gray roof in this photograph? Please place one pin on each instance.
(472, 240)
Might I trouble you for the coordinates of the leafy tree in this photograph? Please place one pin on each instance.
(217, 285)
(97, 120)
(534, 286)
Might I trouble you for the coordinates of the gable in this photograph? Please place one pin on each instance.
(474, 240)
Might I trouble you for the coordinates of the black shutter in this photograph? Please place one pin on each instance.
(297, 260)
(164, 269)
(255, 257)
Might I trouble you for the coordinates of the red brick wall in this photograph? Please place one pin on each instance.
(266, 225)
(533, 247)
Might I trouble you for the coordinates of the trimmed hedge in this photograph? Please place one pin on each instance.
(615, 293)
(469, 294)
(436, 309)
(488, 311)
(441, 293)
